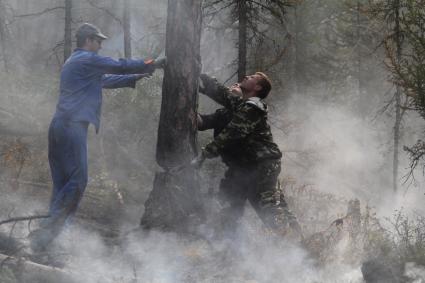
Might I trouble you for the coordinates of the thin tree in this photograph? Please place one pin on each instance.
(393, 19)
(67, 44)
(249, 14)
(398, 42)
(359, 54)
(407, 67)
(127, 29)
(175, 199)
(390, 12)
(242, 32)
(4, 36)
(296, 47)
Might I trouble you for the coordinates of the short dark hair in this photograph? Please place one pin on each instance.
(90, 31)
(81, 39)
(265, 84)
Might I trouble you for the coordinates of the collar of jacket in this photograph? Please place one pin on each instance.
(257, 102)
(83, 50)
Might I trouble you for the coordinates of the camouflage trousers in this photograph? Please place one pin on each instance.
(258, 185)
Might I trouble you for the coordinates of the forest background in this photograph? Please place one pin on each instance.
(347, 106)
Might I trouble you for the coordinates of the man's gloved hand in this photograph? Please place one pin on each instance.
(145, 75)
(206, 82)
(236, 89)
(198, 161)
(159, 63)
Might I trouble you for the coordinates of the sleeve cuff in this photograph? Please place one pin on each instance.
(132, 84)
(210, 150)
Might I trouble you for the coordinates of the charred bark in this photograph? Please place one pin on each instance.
(175, 199)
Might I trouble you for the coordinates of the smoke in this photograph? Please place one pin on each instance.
(252, 256)
(331, 147)
(415, 272)
(326, 143)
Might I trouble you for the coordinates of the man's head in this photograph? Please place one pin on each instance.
(258, 85)
(89, 37)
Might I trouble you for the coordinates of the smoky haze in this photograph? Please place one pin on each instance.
(335, 140)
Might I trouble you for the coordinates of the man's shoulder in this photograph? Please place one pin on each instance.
(252, 109)
(79, 56)
(256, 103)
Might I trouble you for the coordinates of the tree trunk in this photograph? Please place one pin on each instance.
(67, 45)
(298, 75)
(242, 16)
(295, 51)
(363, 98)
(174, 203)
(398, 117)
(127, 29)
(4, 37)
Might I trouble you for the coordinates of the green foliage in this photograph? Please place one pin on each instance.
(408, 238)
(406, 23)
(401, 241)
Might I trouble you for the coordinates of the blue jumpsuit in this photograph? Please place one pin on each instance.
(83, 76)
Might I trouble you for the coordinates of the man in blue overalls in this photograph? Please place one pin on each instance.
(83, 76)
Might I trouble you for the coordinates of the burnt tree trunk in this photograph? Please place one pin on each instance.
(127, 29)
(242, 27)
(67, 44)
(174, 203)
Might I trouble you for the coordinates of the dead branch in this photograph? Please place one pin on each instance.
(39, 13)
(34, 272)
(109, 13)
(23, 218)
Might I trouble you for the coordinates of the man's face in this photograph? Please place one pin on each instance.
(94, 44)
(250, 84)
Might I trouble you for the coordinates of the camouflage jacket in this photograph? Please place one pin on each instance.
(216, 121)
(231, 154)
(248, 128)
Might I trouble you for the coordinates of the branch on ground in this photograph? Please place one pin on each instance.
(23, 218)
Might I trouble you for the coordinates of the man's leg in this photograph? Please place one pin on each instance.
(232, 197)
(68, 164)
(268, 200)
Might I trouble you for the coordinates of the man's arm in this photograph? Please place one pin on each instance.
(219, 93)
(242, 124)
(107, 65)
(119, 81)
(207, 121)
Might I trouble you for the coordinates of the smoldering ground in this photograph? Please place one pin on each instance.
(152, 256)
(326, 144)
(334, 166)
(332, 132)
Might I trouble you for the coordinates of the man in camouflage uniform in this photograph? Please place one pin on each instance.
(243, 139)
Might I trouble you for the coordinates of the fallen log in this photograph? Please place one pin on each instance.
(30, 272)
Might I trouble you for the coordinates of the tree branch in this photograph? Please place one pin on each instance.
(23, 218)
(106, 11)
(39, 13)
